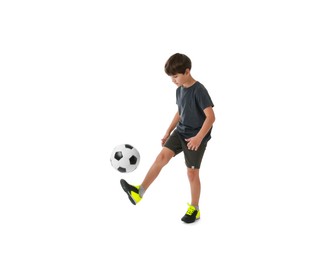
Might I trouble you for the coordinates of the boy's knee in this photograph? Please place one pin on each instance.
(163, 158)
(192, 173)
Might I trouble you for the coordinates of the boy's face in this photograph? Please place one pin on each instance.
(179, 79)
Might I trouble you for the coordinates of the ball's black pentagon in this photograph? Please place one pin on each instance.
(118, 156)
(133, 160)
(121, 169)
(129, 146)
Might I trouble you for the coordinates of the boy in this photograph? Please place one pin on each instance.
(189, 132)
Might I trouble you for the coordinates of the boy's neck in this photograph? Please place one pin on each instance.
(189, 83)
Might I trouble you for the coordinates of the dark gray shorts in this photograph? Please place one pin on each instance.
(177, 144)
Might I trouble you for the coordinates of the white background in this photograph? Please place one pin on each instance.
(80, 77)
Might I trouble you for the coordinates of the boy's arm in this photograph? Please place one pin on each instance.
(170, 128)
(195, 141)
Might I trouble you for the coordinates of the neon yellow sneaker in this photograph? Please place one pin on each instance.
(131, 191)
(191, 215)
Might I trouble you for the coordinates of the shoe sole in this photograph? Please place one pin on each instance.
(125, 185)
(190, 222)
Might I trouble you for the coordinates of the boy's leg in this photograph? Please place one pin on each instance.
(193, 161)
(162, 159)
(193, 212)
(135, 193)
(195, 185)
(171, 148)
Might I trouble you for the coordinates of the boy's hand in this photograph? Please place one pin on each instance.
(164, 139)
(193, 143)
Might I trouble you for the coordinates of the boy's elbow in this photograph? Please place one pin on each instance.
(212, 118)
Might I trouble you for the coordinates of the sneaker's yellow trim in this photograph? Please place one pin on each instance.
(191, 209)
(135, 196)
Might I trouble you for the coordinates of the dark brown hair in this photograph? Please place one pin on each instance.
(177, 63)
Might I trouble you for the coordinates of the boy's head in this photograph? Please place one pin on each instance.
(177, 64)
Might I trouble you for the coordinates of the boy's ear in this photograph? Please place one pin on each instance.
(187, 71)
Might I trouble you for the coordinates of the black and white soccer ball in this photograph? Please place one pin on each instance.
(125, 158)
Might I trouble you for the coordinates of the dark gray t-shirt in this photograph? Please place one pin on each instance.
(191, 103)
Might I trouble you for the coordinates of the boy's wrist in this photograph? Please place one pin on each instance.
(199, 136)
